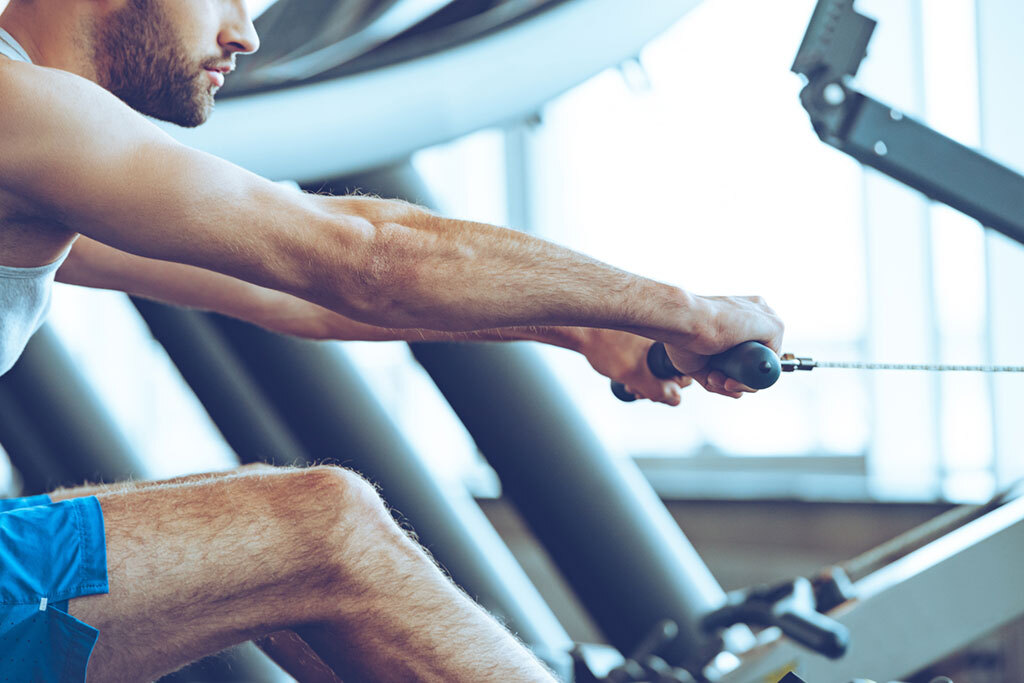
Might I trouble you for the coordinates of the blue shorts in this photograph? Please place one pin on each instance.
(49, 553)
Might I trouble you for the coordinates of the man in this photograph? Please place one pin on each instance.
(135, 581)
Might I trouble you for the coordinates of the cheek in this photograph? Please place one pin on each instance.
(195, 24)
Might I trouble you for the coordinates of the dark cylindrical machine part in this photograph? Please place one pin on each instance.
(55, 431)
(37, 468)
(234, 402)
(600, 520)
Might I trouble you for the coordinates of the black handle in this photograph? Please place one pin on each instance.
(815, 631)
(751, 363)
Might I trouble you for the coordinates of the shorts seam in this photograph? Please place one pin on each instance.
(84, 563)
(83, 540)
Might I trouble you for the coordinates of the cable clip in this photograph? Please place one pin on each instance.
(791, 363)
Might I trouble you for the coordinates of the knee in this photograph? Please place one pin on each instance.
(334, 502)
(348, 525)
(340, 488)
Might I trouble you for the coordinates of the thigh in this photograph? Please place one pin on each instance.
(197, 567)
(132, 485)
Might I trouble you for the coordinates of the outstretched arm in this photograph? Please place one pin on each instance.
(99, 167)
(617, 355)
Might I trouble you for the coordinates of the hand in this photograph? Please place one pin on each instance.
(622, 357)
(724, 322)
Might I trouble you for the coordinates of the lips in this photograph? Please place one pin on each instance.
(216, 77)
(217, 72)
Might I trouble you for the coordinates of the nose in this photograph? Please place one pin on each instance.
(237, 34)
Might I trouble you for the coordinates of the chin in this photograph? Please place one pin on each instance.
(198, 113)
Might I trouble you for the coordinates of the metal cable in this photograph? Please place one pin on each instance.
(917, 366)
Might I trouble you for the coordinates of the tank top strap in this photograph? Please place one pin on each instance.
(9, 47)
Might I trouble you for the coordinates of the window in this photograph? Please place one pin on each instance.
(697, 166)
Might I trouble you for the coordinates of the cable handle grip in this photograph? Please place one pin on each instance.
(751, 363)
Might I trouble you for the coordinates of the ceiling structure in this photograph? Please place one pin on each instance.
(342, 86)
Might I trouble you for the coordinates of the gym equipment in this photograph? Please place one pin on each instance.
(883, 138)
(791, 363)
(969, 562)
(45, 389)
(793, 678)
(513, 52)
(938, 589)
(758, 367)
(911, 601)
(630, 564)
(751, 363)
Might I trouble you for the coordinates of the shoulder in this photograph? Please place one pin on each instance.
(51, 118)
(38, 96)
(28, 91)
(35, 82)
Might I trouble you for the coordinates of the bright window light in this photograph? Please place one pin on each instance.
(706, 174)
(257, 7)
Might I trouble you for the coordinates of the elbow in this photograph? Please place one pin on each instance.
(364, 265)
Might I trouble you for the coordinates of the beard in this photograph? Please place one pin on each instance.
(139, 57)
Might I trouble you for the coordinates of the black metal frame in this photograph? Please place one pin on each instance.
(885, 139)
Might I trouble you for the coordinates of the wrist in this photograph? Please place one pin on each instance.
(670, 314)
(691, 315)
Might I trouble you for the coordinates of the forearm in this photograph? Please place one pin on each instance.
(92, 264)
(420, 271)
(326, 325)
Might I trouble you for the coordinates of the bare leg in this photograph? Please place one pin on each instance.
(197, 567)
(286, 648)
(131, 485)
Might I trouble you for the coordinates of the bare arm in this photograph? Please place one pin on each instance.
(96, 265)
(99, 167)
(618, 355)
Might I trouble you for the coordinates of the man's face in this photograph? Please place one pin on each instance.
(168, 58)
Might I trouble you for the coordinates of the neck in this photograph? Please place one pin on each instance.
(52, 36)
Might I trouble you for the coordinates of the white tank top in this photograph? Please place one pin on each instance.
(24, 292)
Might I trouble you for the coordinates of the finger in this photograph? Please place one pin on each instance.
(659, 391)
(721, 381)
(715, 382)
(670, 394)
(735, 386)
(717, 378)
